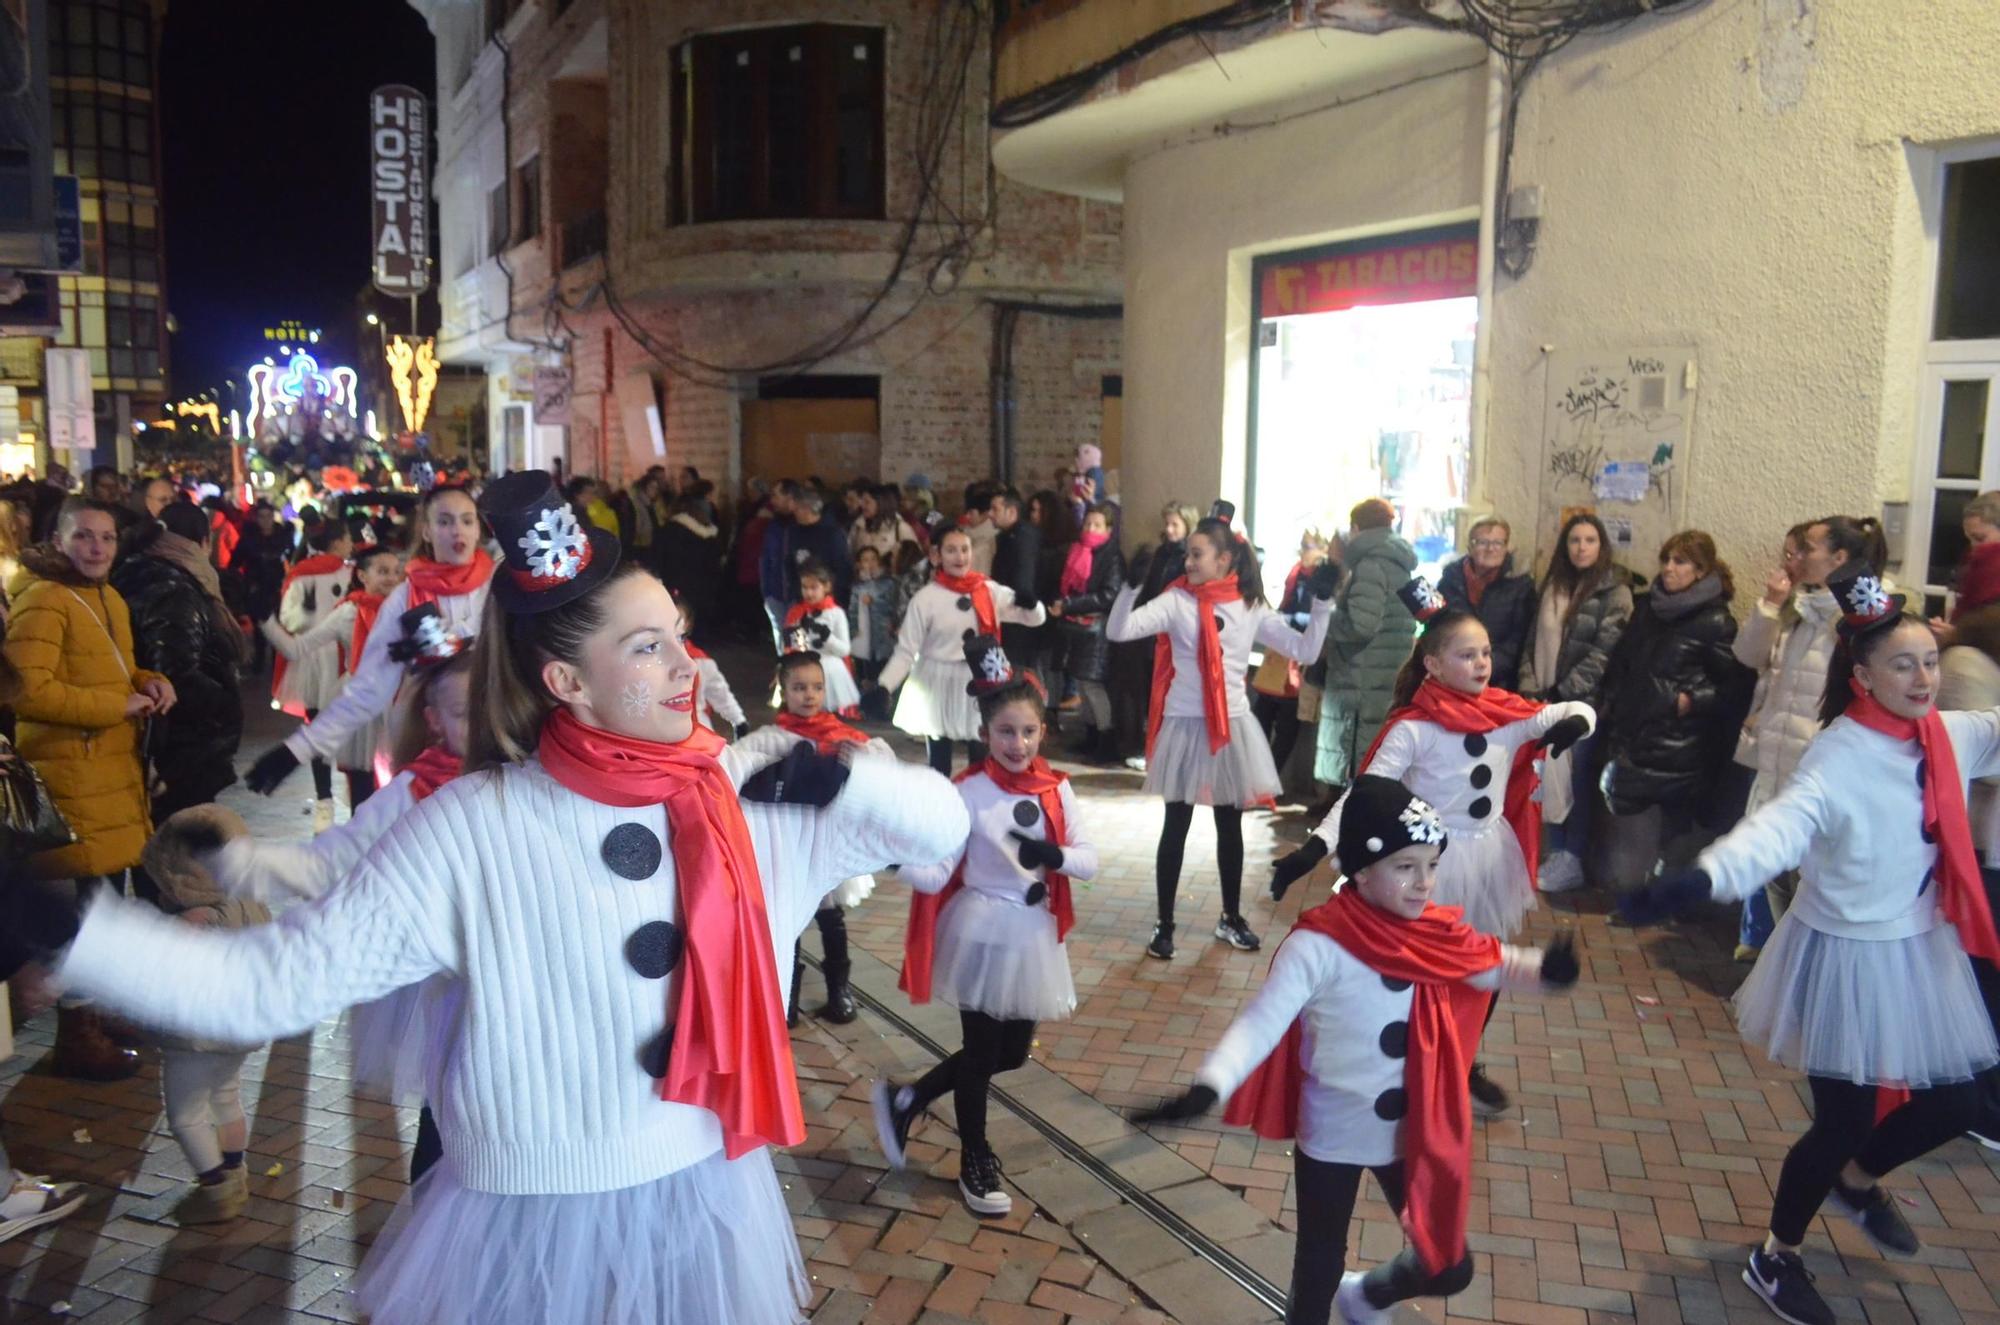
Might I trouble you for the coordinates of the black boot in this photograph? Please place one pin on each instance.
(840, 1008)
(792, 1008)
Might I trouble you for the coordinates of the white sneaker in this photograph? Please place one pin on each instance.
(1562, 872)
(1353, 1305)
(1137, 763)
(33, 1201)
(322, 816)
(1990, 1142)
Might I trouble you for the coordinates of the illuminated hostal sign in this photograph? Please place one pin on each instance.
(292, 332)
(399, 139)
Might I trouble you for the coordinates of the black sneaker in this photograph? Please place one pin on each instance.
(1782, 1280)
(1232, 930)
(1874, 1212)
(895, 1112)
(979, 1184)
(1162, 945)
(1488, 1100)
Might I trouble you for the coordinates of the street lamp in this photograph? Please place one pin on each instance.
(374, 321)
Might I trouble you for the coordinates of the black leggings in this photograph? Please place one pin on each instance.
(360, 786)
(1326, 1207)
(992, 1046)
(430, 1145)
(1844, 1128)
(938, 750)
(1228, 856)
(322, 771)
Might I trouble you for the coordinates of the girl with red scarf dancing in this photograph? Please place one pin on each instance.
(1864, 985)
(987, 926)
(929, 661)
(1203, 747)
(610, 892)
(1470, 750)
(1357, 1046)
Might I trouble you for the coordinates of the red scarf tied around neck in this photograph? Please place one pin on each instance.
(431, 580)
(973, 585)
(731, 1052)
(1208, 656)
(367, 606)
(825, 730)
(320, 563)
(799, 611)
(1489, 710)
(920, 939)
(431, 770)
(1436, 952)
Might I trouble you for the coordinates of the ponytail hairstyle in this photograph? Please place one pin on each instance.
(1859, 536)
(420, 522)
(1438, 632)
(1853, 649)
(409, 734)
(1242, 557)
(509, 699)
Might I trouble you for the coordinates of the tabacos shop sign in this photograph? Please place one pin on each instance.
(399, 148)
(1405, 268)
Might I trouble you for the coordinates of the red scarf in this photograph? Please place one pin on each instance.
(1076, 566)
(367, 606)
(320, 563)
(973, 585)
(731, 1052)
(1437, 952)
(799, 611)
(1464, 714)
(826, 731)
(1477, 581)
(920, 939)
(431, 770)
(431, 580)
(1208, 654)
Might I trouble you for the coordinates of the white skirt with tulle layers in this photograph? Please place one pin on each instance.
(1181, 767)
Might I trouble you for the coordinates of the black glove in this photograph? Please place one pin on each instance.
(1560, 967)
(1667, 896)
(1290, 869)
(803, 777)
(742, 730)
(1325, 579)
(1035, 853)
(1135, 569)
(875, 704)
(1565, 734)
(272, 767)
(1191, 1103)
(36, 923)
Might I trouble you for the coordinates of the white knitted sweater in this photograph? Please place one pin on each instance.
(500, 882)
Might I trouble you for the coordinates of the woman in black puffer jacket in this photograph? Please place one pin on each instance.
(1093, 573)
(1673, 698)
(181, 629)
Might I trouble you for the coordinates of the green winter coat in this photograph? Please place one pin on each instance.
(1367, 643)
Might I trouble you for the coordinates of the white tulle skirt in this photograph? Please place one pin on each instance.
(709, 1245)
(1181, 767)
(395, 1039)
(1902, 1012)
(841, 691)
(1001, 958)
(933, 702)
(1485, 874)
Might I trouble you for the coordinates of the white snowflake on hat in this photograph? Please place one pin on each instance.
(1422, 822)
(1868, 597)
(994, 668)
(555, 545)
(433, 641)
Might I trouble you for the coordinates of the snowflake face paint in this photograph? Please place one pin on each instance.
(637, 699)
(634, 676)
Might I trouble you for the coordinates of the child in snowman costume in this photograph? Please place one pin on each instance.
(821, 616)
(987, 924)
(1358, 1046)
(1471, 750)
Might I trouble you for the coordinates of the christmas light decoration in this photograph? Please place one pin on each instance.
(413, 367)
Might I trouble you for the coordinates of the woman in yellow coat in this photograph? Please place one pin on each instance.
(79, 713)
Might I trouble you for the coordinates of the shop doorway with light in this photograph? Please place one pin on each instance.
(1361, 386)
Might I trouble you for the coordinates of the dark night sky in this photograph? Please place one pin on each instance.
(264, 117)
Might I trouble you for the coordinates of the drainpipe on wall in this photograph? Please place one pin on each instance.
(1489, 228)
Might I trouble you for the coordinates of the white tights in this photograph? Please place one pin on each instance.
(204, 1103)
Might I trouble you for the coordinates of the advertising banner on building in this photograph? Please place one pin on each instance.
(1404, 268)
(72, 411)
(399, 137)
(27, 170)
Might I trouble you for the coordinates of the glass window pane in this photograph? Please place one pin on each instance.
(97, 363)
(93, 326)
(137, 72)
(110, 64)
(135, 34)
(1968, 284)
(113, 129)
(142, 168)
(138, 132)
(84, 127)
(1962, 435)
(858, 121)
(1947, 537)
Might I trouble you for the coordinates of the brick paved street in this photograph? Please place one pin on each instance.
(1624, 1187)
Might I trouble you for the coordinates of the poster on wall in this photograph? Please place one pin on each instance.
(1615, 430)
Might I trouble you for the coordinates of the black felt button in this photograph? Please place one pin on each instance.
(654, 948)
(969, 633)
(1392, 1104)
(1480, 808)
(1027, 813)
(1393, 985)
(632, 851)
(1475, 744)
(964, 603)
(1928, 836)
(1037, 893)
(1482, 774)
(1395, 1039)
(1220, 624)
(653, 1054)
(1922, 768)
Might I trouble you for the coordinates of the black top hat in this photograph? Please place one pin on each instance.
(425, 641)
(799, 643)
(551, 556)
(1865, 602)
(1380, 817)
(990, 666)
(1423, 601)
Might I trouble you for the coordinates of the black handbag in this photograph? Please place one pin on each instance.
(29, 819)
